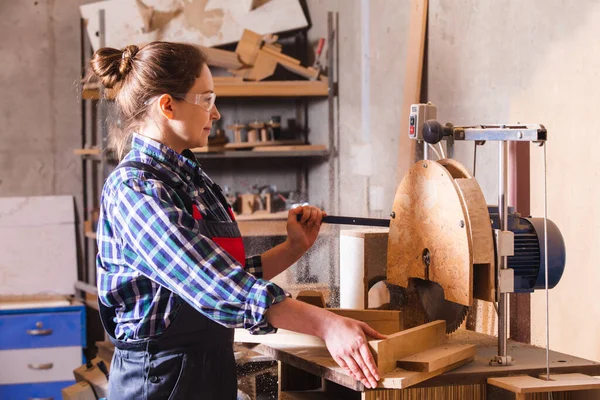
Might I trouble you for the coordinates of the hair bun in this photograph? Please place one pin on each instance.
(112, 65)
(127, 59)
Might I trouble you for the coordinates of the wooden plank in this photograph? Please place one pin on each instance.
(87, 152)
(305, 147)
(272, 88)
(405, 343)
(248, 47)
(401, 379)
(307, 72)
(528, 384)
(437, 358)
(222, 58)
(275, 51)
(283, 336)
(412, 81)
(246, 145)
(386, 322)
(263, 67)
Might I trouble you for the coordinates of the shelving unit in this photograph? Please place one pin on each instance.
(96, 163)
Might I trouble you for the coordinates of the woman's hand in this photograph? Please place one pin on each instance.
(346, 341)
(302, 234)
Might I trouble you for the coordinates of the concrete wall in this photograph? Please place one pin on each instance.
(533, 62)
(39, 122)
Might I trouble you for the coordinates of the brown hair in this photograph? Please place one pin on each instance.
(138, 74)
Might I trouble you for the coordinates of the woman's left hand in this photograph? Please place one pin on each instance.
(302, 234)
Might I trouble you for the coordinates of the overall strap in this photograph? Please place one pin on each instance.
(164, 178)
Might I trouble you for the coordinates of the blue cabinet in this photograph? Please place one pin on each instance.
(39, 349)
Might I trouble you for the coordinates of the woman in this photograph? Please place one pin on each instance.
(173, 277)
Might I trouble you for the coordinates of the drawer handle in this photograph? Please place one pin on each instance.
(41, 366)
(39, 332)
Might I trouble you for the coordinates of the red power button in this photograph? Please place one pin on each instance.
(412, 130)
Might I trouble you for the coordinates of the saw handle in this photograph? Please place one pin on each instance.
(333, 219)
(434, 132)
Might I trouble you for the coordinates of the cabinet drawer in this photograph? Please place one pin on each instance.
(34, 391)
(39, 365)
(27, 331)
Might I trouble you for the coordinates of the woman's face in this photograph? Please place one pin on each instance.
(194, 115)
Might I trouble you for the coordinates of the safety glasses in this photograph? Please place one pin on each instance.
(204, 100)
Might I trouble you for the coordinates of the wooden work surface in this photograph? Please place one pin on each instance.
(529, 360)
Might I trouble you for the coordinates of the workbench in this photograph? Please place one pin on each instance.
(311, 368)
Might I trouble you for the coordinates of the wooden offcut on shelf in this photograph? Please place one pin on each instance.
(94, 151)
(238, 88)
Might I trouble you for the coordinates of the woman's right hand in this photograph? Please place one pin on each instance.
(346, 341)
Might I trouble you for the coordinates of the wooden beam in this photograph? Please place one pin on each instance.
(406, 343)
(222, 58)
(437, 358)
(412, 81)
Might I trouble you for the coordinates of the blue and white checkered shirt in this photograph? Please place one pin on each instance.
(152, 256)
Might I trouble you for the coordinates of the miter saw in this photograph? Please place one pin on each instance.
(446, 246)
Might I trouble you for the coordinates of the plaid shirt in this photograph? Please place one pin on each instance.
(151, 256)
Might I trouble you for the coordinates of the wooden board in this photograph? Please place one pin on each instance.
(246, 145)
(405, 343)
(263, 67)
(528, 384)
(304, 147)
(429, 214)
(222, 58)
(437, 358)
(412, 81)
(87, 152)
(273, 88)
(248, 47)
(386, 322)
(283, 336)
(307, 72)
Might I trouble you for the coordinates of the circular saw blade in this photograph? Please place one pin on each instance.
(436, 307)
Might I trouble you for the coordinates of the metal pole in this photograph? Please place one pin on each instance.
(503, 260)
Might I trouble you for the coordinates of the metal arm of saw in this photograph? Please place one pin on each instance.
(433, 132)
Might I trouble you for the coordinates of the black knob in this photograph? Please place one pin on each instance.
(433, 131)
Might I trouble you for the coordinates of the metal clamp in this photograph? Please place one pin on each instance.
(501, 361)
(506, 280)
(505, 243)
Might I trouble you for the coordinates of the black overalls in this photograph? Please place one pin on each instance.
(193, 358)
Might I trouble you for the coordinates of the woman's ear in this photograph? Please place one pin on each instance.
(165, 105)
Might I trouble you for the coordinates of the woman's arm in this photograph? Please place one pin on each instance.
(301, 236)
(344, 337)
